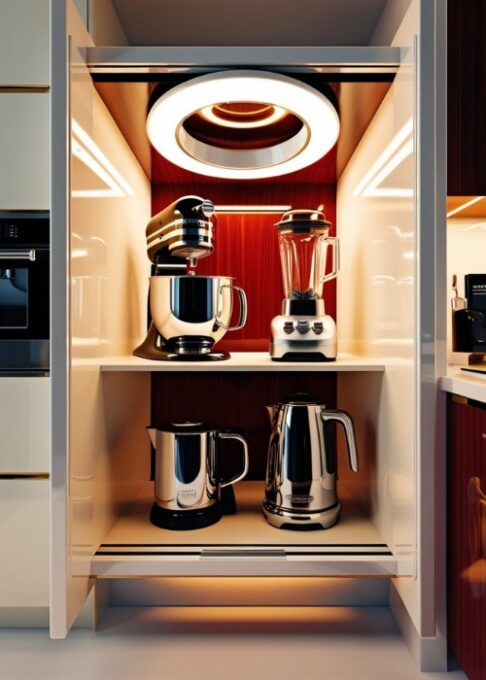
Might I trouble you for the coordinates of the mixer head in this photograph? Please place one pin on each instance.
(181, 230)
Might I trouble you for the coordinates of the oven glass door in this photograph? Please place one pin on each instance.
(24, 294)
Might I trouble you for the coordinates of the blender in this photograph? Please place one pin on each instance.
(303, 331)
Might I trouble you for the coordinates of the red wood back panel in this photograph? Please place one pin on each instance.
(247, 246)
(467, 539)
(235, 400)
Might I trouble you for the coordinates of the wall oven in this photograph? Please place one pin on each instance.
(24, 293)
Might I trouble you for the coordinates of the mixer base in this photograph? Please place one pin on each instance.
(301, 521)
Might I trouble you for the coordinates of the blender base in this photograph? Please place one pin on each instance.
(303, 338)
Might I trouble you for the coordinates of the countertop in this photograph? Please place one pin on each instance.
(469, 385)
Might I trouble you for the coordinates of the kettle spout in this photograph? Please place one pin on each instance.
(151, 433)
(271, 410)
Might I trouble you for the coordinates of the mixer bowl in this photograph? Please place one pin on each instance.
(194, 306)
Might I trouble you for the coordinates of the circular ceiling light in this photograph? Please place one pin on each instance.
(243, 125)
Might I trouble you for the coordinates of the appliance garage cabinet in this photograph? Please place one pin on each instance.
(383, 190)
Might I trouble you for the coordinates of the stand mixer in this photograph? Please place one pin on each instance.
(304, 332)
(189, 313)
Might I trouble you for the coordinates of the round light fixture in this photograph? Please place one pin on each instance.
(243, 125)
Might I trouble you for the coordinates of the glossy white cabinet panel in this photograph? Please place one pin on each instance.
(25, 425)
(24, 141)
(24, 543)
(24, 43)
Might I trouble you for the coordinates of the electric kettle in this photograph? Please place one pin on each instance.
(300, 491)
(188, 476)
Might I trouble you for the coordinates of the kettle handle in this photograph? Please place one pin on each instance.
(347, 422)
(239, 475)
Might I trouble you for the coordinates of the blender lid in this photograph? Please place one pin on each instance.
(303, 220)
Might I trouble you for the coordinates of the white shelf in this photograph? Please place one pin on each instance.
(239, 545)
(241, 361)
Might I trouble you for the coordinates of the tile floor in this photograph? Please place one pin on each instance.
(230, 643)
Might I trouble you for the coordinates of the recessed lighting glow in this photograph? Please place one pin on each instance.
(465, 205)
(313, 140)
(88, 152)
(400, 147)
(210, 113)
(251, 209)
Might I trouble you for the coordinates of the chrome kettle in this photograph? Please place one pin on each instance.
(300, 491)
(188, 477)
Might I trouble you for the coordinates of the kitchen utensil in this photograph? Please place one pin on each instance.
(188, 476)
(189, 313)
(300, 491)
(304, 331)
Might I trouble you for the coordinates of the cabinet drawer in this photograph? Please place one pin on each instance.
(24, 141)
(24, 543)
(25, 425)
(24, 43)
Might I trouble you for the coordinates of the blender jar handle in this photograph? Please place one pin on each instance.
(243, 309)
(239, 475)
(347, 422)
(334, 242)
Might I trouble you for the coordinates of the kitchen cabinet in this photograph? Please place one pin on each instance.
(103, 398)
(24, 44)
(24, 546)
(24, 140)
(467, 536)
(25, 425)
(466, 97)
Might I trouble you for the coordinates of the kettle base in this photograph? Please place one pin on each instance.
(184, 520)
(301, 521)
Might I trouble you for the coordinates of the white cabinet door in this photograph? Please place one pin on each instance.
(24, 43)
(24, 141)
(25, 425)
(24, 543)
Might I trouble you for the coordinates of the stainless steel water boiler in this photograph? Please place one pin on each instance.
(300, 490)
(188, 473)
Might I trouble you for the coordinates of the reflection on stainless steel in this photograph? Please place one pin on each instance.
(189, 306)
(300, 491)
(188, 473)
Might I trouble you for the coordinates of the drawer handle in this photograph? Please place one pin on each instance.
(17, 255)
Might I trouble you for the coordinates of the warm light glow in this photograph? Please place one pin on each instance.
(317, 136)
(465, 205)
(476, 225)
(400, 147)
(89, 153)
(211, 115)
(252, 209)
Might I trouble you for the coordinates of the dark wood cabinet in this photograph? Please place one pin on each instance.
(466, 94)
(467, 537)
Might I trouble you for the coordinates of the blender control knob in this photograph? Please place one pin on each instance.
(303, 326)
(288, 327)
(318, 327)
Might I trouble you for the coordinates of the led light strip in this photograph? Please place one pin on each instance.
(463, 206)
(400, 147)
(251, 209)
(89, 153)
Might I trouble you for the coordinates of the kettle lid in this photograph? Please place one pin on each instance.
(301, 399)
(186, 427)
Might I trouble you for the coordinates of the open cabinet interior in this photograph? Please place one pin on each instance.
(366, 188)
(105, 398)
